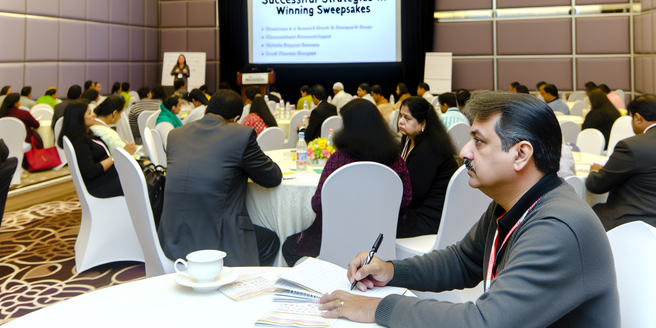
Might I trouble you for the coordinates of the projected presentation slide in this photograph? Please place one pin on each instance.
(324, 31)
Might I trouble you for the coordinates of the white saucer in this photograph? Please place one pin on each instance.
(227, 276)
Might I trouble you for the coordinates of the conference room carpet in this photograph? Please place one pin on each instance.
(37, 260)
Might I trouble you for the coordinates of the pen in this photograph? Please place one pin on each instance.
(373, 251)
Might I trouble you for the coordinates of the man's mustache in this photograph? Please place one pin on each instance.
(470, 165)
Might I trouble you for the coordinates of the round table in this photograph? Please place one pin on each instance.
(46, 133)
(582, 163)
(284, 125)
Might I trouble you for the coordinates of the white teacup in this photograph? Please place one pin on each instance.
(204, 265)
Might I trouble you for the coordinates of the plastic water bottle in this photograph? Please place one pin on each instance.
(282, 104)
(330, 99)
(301, 153)
(266, 98)
(305, 105)
(392, 100)
(329, 141)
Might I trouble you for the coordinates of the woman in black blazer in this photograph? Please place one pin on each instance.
(603, 114)
(429, 155)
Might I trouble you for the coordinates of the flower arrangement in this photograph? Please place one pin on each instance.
(318, 149)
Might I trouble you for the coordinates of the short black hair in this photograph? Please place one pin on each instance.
(171, 101)
(198, 95)
(224, 86)
(74, 92)
(51, 91)
(143, 92)
(203, 88)
(522, 117)
(226, 103)
(125, 86)
(318, 91)
(365, 86)
(251, 92)
(403, 88)
(305, 89)
(90, 95)
(551, 89)
(541, 83)
(604, 88)
(158, 92)
(179, 83)
(109, 105)
(4, 90)
(515, 84)
(447, 98)
(462, 96)
(522, 89)
(26, 90)
(589, 86)
(88, 85)
(645, 105)
(377, 89)
(115, 87)
(424, 86)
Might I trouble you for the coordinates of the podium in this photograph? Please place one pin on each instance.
(263, 80)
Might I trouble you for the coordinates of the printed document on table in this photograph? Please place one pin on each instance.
(295, 315)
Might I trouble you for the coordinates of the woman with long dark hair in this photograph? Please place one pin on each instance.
(93, 157)
(403, 93)
(602, 115)
(429, 155)
(181, 70)
(109, 112)
(9, 108)
(365, 137)
(260, 116)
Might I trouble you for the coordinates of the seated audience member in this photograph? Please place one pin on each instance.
(109, 112)
(617, 101)
(365, 137)
(429, 155)
(203, 88)
(5, 90)
(167, 119)
(341, 97)
(450, 113)
(320, 113)
(274, 95)
(26, 97)
(540, 87)
(589, 86)
(224, 85)
(259, 117)
(402, 93)
(49, 98)
(423, 90)
(7, 170)
(91, 96)
(74, 93)
(9, 108)
(250, 92)
(602, 115)
(513, 86)
(180, 87)
(2, 96)
(553, 267)
(461, 99)
(97, 87)
(88, 85)
(630, 173)
(363, 92)
(522, 89)
(150, 104)
(550, 95)
(116, 89)
(200, 103)
(125, 93)
(209, 162)
(305, 97)
(384, 107)
(93, 157)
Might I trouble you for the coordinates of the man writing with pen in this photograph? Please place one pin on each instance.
(540, 250)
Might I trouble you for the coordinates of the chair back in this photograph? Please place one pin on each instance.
(12, 131)
(131, 102)
(575, 182)
(434, 102)
(296, 119)
(272, 106)
(136, 196)
(271, 139)
(621, 94)
(576, 95)
(621, 129)
(591, 141)
(394, 121)
(460, 135)
(60, 150)
(123, 128)
(333, 122)
(141, 123)
(159, 147)
(151, 121)
(570, 131)
(42, 114)
(150, 145)
(41, 106)
(577, 108)
(634, 246)
(351, 223)
(24, 108)
(80, 187)
(134, 95)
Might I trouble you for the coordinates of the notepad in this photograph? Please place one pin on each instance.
(295, 315)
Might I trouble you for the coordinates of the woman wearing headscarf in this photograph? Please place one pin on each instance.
(167, 119)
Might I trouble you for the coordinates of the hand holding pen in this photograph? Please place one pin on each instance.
(369, 273)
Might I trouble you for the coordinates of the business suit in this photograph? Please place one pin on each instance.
(320, 113)
(59, 112)
(7, 169)
(630, 177)
(208, 166)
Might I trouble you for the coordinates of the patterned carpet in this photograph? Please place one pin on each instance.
(37, 260)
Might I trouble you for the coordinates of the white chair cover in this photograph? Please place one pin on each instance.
(634, 246)
(123, 127)
(271, 139)
(136, 195)
(41, 106)
(296, 119)
(159, 147)
(435, 104)
(570, 131)
(621, 94)
(591, 141)
(577, 108)
(106, 231)
(12, 131)
(60, 150)
(151, 122)
(622, 129)
(141, 123)
(150, 145)
(460, 135)
(575, 182)
(42, 114)
(576, 95)
(351, 222)
(134, 95)
(333, 122)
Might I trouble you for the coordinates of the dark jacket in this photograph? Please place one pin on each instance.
(320, 113)
(599, 120)
(100, 183)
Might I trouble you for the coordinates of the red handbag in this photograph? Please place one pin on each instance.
(42, 159)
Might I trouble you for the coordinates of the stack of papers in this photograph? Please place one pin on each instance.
(295, 315)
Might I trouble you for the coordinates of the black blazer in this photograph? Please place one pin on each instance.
(100, 183)
(323, 111)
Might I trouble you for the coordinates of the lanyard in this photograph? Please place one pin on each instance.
(494, 253)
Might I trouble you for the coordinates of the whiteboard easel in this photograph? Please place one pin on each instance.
(196, 63)
(438, 70)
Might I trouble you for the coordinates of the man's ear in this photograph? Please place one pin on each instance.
(523, 154)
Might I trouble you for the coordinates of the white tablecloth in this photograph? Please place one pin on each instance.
(285, 209)
(284, 125)
(582, 162)
(46, 133)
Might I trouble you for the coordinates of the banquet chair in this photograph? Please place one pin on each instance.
(42, 114)
(622, 129)
(60, 150)
(159, 147)
(570, 131)
(151, 121)
(296, 119)
(393, 121)
(577, 108)
(134, 95)
(41, 106)
(591, 141)
(463, 207)
(12, 130)
(460, 135)
(576, 95)
(434, 102)
(621, 94)
(141, 123)
(149, 142)
(333, 122)
(136, 196)
(351, 223)
(106, 231)
(123, 125)
(24, 108)
(131, 102)
(634, 245)
(575, 182)
(271, 139)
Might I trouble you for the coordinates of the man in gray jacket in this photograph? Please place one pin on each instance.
(540, 250)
